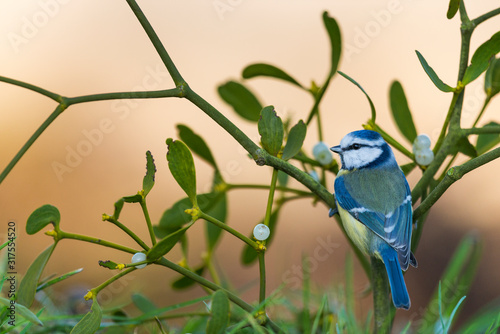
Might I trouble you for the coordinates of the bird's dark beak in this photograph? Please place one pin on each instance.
(336, 149)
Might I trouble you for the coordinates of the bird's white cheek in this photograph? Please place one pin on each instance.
(361, 157)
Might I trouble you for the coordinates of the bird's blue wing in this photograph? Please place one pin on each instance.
(393, 227)
(397, 229)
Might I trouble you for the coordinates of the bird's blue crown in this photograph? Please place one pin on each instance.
(364, 149)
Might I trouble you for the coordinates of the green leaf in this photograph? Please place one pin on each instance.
(241, 99)
(143, 303)
(137, 198)
(22, 310)
(335, 41)
(58, 279)
(407, 168)
(456, 281)
(481, 58)
(452, 315)
(271, 130)
(492, 78)
(118, 208)
(465, 147)
(118, 317)
(372, 106)
(401, 111)
(181, 165)
(295, 140)
(266, 70)
(486, 320)
(163, 246)
(174, 218)
(350, 295)
(282, 178)
(186, 282)
(5, 245)
(487, 141)
(91, 322)
(249, 255)
(108, 264)
(149, 179)
(218, 210)
(196, 144)
(29, 283)
(452, 8)
(41, 217)
(433, 76)
(219, 313)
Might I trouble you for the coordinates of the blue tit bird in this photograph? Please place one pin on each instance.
(374, 201)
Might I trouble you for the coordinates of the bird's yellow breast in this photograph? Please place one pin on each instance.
(356, 231)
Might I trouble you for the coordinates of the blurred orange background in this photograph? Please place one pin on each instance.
(84, 47)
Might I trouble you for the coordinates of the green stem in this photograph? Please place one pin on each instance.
(252, 148)
(492, 129)
(301, 176)
(261, 253)
(49, 94)
(229, 229)
(391, 141)
(270, 198)
(262, 276)
(485, 104)
(214, 287)
(318, 121)
(153, 37)
(454, 113)
(448, 166)
(415, 238)
(439, 142)
(97, 289)
(65, 235)
(382, 305)
(486, 16)
(189, 315)
(135, 264)
(66, 102)
(454, 174)
(128, 231)
(305, 159)
(173, 92)
(464, 18)
(306, 294)
(59, 109)
(301, 157)
(211, 269)
(317, 100)
(265, 187)
(148, 221)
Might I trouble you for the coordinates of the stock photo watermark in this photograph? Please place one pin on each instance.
(107, 295)
(10, 274)
(366, 33)
(324, 248)
(92, 138)
(31, 25)
(222, 7)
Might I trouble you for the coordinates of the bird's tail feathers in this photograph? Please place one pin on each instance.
(400, 296)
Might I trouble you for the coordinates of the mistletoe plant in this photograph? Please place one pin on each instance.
(280, 149)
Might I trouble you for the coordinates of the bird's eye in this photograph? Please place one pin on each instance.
(356, 146)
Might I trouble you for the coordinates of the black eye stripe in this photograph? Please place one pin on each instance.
(357, 146)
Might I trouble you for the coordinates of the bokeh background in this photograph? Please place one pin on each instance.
(84, 47)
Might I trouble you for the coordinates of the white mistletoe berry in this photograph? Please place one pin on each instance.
(261, 232)
(139, 257)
